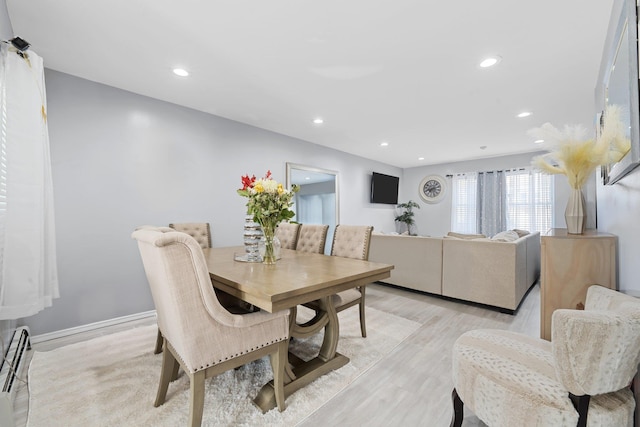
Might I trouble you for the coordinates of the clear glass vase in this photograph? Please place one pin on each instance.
(252, 236)
(269, 248)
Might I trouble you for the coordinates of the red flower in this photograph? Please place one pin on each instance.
(248, 182)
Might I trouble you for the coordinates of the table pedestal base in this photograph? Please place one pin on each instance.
(304, 372)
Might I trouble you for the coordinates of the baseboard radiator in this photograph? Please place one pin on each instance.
(10, 370)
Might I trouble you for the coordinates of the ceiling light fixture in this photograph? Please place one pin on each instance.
(538, 141)
(318, 121)
(490, 61)
(384, 144)
(420, 158)
(525, 114)
(180, 72)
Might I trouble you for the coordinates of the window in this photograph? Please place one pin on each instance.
(464, 200)
(529, 202)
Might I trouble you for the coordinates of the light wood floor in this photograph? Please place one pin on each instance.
(412, 385)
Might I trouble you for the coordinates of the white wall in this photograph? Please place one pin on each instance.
(121, 160)
(435, 219)
(619, 213)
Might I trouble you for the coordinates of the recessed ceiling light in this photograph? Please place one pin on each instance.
(308, 178)
(180, 72)
(318, 121)
(384, 144)
(420, 158)
(490, 61)
(525, 114)
(538, 141)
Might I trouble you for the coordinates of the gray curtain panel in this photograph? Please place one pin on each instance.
(491, 203)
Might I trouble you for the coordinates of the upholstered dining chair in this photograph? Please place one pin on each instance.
(201, 231)
(287, 233)
(350, 241)
(580, 378)
(312, 238)
(200, 336)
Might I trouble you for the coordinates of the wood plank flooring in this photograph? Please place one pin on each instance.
(412, 385)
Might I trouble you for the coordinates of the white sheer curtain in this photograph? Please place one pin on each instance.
(464, 201)
(28, 272)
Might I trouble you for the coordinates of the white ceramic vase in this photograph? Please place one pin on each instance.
(576, 214)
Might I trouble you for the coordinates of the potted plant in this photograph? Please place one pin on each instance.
(406, 216)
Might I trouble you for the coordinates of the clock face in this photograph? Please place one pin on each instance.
(432, 188)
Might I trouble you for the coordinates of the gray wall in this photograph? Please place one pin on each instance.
(619, 213)
(121, 160)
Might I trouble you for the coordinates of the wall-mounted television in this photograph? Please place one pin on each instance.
(384, 188)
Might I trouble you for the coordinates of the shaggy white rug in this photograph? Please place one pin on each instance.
(112, 380)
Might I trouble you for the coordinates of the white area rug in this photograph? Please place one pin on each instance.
(112, 380)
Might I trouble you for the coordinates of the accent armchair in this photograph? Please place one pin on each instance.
(580, 378)
(200, 336)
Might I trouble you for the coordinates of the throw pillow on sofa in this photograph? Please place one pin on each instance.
(521, 233)
(506, 236)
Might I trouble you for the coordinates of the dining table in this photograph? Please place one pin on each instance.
(296, 278)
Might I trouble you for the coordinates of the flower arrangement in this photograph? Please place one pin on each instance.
(269, 203)
(575, 156)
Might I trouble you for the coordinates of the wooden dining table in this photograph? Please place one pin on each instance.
(295, 279)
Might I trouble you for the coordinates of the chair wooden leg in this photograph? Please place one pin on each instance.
(197, 399)
(168, 365)
(581, 403)
(174, 373)
(363, 324)
(159, 341)
(458, 410)
(278, 360)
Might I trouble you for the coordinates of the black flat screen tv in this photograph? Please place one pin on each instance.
(384, 189)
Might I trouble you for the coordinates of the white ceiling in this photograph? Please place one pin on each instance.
(402, 71)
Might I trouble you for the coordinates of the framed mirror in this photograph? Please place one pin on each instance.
(619, 83)
(317, 202)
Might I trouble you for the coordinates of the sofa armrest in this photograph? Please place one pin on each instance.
(487, 272)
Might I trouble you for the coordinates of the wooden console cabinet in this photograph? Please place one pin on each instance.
(570, 263)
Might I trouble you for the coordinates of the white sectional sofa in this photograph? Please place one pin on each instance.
(484, 271)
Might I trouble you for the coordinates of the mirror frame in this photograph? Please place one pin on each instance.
(298, 166)
(624, 21)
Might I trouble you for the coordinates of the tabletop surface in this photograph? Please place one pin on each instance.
(297, 277)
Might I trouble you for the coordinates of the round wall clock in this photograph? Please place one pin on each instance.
(432, 188)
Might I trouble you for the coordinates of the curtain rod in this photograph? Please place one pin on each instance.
(501, 170)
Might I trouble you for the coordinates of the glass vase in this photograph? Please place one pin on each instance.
(269, 248)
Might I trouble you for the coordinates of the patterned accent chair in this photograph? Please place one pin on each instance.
(350, 241)
(580, 378)
(200, 336)
(287, 233)
(201, 231)
(312, 238)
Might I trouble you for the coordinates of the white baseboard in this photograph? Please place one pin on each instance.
(90, 327)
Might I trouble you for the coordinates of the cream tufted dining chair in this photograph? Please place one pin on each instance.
(287, 233)
(580, 378)
(350, 241)
(312, 238)
(201, 336)
(201, 231)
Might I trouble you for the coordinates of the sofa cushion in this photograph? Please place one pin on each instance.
(506, 236)
(465, 236)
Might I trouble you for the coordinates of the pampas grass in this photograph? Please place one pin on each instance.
(575, 156)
